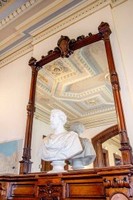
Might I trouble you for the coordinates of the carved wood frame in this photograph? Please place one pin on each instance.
(65, 49)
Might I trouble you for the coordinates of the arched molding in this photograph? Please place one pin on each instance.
(101, 138)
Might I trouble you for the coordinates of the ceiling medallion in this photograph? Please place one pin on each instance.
(56, 69)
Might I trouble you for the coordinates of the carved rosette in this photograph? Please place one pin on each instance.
(50, 192)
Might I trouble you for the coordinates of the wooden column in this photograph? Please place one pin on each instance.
(25, 163)
(125, 146)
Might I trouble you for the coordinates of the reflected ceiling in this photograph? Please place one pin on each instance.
(78, 85)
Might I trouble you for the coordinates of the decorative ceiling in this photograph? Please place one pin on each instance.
(78, 85)
(24, 23)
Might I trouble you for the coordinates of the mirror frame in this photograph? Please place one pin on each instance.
(65, 48)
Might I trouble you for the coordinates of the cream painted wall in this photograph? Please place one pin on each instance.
(123, 17)
(14, 92)
(15, 77)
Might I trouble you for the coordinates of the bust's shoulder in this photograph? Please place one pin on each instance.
(72, 134)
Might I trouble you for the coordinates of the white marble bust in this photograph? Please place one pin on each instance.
(61, 145)
(88, 154)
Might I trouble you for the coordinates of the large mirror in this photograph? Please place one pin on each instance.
(79, 78)
(79, 86)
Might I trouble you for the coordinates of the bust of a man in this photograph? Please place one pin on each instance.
(88, 154)
(61, 144)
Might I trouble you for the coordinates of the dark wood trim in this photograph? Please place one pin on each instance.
(25, 163)
(125, 145)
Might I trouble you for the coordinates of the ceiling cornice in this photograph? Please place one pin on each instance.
(3, 3)
(56, 25)
(19, 11)
(73, 16)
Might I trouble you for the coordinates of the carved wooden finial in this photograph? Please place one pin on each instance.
(32, 61)
(105, 30)
(33, 64)
(63, 44)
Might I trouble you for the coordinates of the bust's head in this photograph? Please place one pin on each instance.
(57, 118)
(77, 127)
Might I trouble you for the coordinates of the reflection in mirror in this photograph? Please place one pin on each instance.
(80, 86)
(111, 152)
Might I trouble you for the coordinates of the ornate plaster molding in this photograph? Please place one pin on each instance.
(68, 19)
(55, 26)
(17, 12)
(30, 3)
(3, 3)
(19, 51)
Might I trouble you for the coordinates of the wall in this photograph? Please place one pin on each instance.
(15, 77)
(14, 92)
(122, 16)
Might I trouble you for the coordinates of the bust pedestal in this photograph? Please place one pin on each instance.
(58, 166)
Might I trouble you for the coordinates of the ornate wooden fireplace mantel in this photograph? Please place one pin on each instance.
(113, 183)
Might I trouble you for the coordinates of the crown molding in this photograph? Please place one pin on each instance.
(17, 12)
(12, 38)
(16, 53)
(31, 3)
(71, 17)
(53, 27)
(3, 3)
